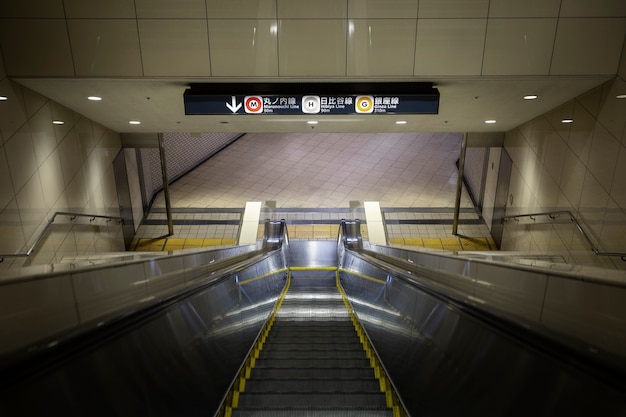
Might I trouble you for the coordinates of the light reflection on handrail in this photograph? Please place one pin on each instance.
(554, 215)
(72, 216)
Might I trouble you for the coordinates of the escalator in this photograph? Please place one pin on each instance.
(313, 359)
(307, 328)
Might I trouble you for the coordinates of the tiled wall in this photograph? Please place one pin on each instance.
(46, 168)
(183, 152)
(580, 167)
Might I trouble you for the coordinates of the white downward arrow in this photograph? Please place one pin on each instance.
(234, 107)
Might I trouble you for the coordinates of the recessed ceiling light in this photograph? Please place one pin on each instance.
(58, 122)
(567, 121)
(134, 122)
(530, 97)
(620, 96)
(94, 98)
(400, 122)
(490, 122)
(312, 122)
(3, 98)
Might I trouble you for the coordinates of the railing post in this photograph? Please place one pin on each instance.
(459, 186)
(166, 191)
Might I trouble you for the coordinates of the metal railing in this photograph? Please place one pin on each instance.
(554, 215)
(41, 235)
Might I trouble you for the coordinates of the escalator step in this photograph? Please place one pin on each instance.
(301, 374)
(314, 363)
(312, 400)
(237, 412)
(358, 353)
(368, 385)
(278, 346)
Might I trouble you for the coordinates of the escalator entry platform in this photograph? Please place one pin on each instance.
(312, 358)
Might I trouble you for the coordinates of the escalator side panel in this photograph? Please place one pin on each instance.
(443, 362)
(177, 363)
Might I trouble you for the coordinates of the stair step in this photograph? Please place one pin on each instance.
(300, 374)
(320, 412)
(358, 353)
(312, 400)
(368, 385)
(314, 363)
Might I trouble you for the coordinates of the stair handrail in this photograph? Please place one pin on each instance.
(553, 215)
(49, 224)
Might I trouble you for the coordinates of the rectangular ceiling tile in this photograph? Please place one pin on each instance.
(171, 9)
(596, 8)
(449, 46)
(105, 47)
(381, 9)
(244, 47)
(526, 8)
(452, 8)
(381, 46)
(36, 47)
(174, 47)
(312, 47)
(98, 9)
(588, 46)
(32, 8)
(307, 9)
(519, 46)
(241, 9)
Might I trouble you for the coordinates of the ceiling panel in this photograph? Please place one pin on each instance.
(526, 8)
(241, 9)
(453, 8)
(170, 9)
(595, 8)
(402, 9)
(36, 47)
(519, 46)
(307, 9)
(105, 47)
(98, 9)
(312, 47)
(32, 8)
(381, 46)
(588, 45)
(174, 47)
(449, 46)
(244, 47)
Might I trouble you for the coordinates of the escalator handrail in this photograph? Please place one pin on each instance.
(607, 368)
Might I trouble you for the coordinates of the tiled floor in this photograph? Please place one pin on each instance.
(314, 180)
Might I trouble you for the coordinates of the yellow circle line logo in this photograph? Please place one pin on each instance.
(364, 104)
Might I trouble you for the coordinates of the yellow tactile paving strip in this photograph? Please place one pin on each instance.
(170, 243)
(448, 243)
(316, 231)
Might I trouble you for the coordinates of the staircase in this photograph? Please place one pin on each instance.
(313, 359)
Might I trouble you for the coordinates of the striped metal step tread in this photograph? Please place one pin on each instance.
(364, 385)
(312, 400)
(268, 354)
(313, 363)
(312, 413)
(310, 373)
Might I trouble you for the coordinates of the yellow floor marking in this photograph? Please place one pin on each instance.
(433, 243)
(417, 241)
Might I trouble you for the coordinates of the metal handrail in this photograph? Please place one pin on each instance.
(554, 214)
(49, 224)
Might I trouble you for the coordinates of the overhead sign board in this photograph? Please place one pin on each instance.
(203, 102)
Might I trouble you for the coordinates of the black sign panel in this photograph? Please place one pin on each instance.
(261, 101)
